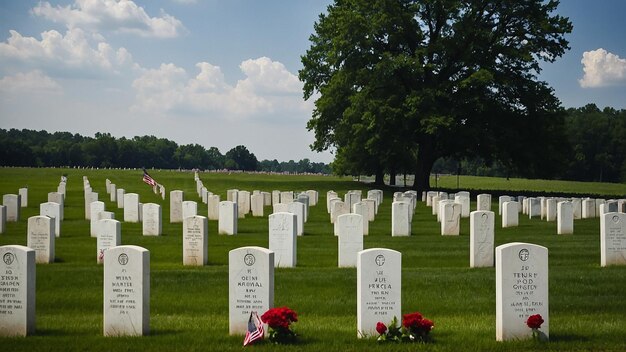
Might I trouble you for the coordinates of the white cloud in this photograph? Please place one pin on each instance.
(268, 89)
(70, 52)
(33, 81)
(117, 15)
(602, 69)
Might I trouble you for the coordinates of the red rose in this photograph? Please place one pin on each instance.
(426, 325)
(279, 318)
(534, 321)
(381, 328)
(411, 320)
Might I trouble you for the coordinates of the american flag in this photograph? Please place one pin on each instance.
(147, 179)
(255, 329)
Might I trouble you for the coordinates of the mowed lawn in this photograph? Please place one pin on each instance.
(189, 305)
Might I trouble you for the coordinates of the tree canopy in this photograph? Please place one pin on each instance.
(401, 83)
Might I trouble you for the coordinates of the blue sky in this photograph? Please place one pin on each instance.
(221, 72)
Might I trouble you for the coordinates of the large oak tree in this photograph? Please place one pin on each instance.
(409, 81)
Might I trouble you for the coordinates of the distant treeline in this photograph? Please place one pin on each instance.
(596, 149)
(59, 149)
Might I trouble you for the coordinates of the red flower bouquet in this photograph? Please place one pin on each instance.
(415, 328)
(279, 320)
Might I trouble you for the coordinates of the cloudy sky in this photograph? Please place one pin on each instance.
(220, 72)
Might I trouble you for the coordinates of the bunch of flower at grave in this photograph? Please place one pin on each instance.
(279, 320)
(534, 322)
(415, 328)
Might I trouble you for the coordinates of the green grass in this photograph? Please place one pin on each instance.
(189, 305)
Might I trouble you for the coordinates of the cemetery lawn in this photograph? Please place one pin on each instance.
(189, 305)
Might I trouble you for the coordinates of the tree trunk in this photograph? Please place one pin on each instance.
(380, 177)
(423, 166)
(392, 178)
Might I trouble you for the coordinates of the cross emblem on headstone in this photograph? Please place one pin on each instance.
(380, 260)
(524, 254)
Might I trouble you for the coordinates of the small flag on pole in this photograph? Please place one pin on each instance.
(147, 179)
(255, 329)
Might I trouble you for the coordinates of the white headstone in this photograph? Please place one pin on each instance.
(510, 214)
(52, 210)
(298, 209)
(304, 199)
(126, 291)
(227, 224)
(481, 238)
(250, 285)
(313, 197)
(350, 232)
(131, 207)
(57, 197)
(213, 207)
(330, 195)
(588, 209)
(23, 192)
(551, 209)
(534, 208)
(12, 202)
(17, 298)
(176, 206)
(41, 238)
(113, 193)
(379, 289)
(243, 204)
(95, 208)
(286, 197)
(120, 198)
(231, 195)
(362, 209)
(338, 208)
(152, 219)
(195, 240)
(275, 197)
(205, 194)
(451, 219)
(371, 208)
(577, 207)
(465, 204)
(521, 290)
(62, 189)
(613, 239)
(190, 208)
(400, 221)
(483, 202)
(256, 204)
(565, 218)
(267, 199)
(501, 201)
(90, 197)
(109, 236)
(283, 239)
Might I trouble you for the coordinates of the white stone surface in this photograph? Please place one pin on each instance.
(256, 205)
(337, 209)
(109, 236)
(41, 238)
(565, 218)
(483, 202)
(286, 197)
(12, 202)
(482, 225)
(126, 291)
(350, 232)
(534, 208)
(362, 209)
(577, 207)
(521, 290)
(120, 198)
(501, 201)
(330, 195)
(613, 239)
(152, 219)
(213, 207)
(58, 198)
(190, 208)
(275, 197)
(400, 221)
(451, 219)
(95, 208)
(250, 285)
(52, 210)
(464, 200)
(90, 197)
(243, 204)
(313, 197)
(227, 223)
(510, 214)
(176, 206)
(195, 240)
(588, 209)
(18, 271)
(3, 218)
(283, 239)
(131, 207)
(551, 209)
(23, 192)
(304, 199)
(379, 289)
